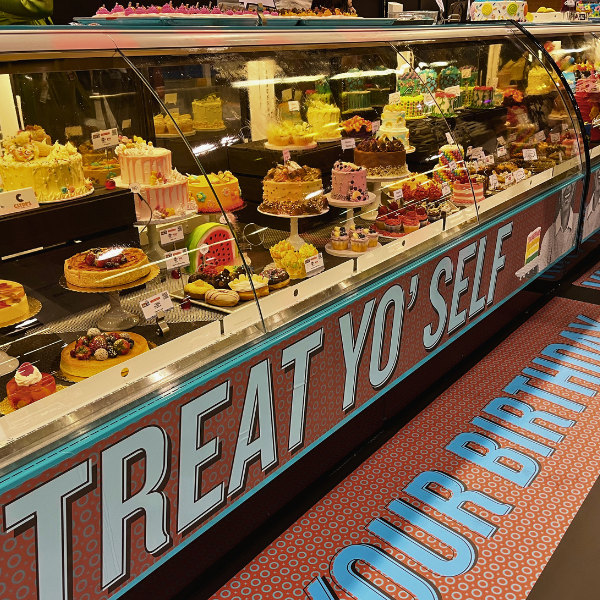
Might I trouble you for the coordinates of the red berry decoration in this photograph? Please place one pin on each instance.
(393, 205)
(175, 274)
(122, 347)
(90, 259)
(110, 184)
(83, 353)
(98, 342)
(186, 303)
(382, 210)
(82, 341)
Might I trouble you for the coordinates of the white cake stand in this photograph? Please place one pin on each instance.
(295, 240)
(350, 206)
(347, 253)
(369, 213)
(290, 147)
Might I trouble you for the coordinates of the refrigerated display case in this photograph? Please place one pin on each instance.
(243, 239)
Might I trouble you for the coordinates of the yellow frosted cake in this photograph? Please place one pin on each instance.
(13, 302)
(324, 119)
(54, 172)
(226, 187)
(208, 113)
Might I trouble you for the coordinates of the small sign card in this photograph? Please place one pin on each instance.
(314, 265)
(286, 156)
(501, 141)
(477, 152)
(375, 126)
(555, 137)
(510, 179)
(171, 234)
(519, 175)
(150, 306)
(489, 159)
(398, 195)
(394, 98)
(445, 189)
(177, 259)
(17, 201)
(294, 105)
(501, 151)
(449, 137)
(493, 181)
(452, 165)
(529, 154)
(348, 143)
(540, 136)
(105, 138)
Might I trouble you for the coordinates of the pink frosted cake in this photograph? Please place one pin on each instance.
(348, 182)
(462, 195)
(138, 160)
(164, 197)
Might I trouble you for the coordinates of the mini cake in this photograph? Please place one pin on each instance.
(532, 250)
(339, 238)
(184, 122)
(139, 160)
(483, 97)
(163, 197)
(286, 134)
(444, 104)
(106, 267)
(324, 119)
(54, 172)
(348, 182)
(225, 185)
(379, 156)
(539, 82)
(208, 113)
(277, 278)
(467, 193)
(13, 302)
(29, 385)
(429, 78)
(293, 190)
(96, 351)
(393, 125)
(413, 107)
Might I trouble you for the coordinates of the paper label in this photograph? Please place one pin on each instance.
(203, 249)
(493, 181)
(469, 150)
(394, 98)
(501, 140)
(445, 189)
(454, 90)
(294, 106)
(74, 131)
(375, 126)
(560, 157)
(529, 154)
(286, 95)
(428, 100)
(477, 152)
(171, 234)
(489, 160)
(512, 137)
(501, 151)
(449, 137)
(519, 175)
(398, 195)
(555, 137)
(177, 259)
(314, 264)
(348, 143)
(286, 156)
(171, 98)
(510, 179)
(135, 188)
(105, 138)
(17, 201)
(452, 165)
(126, 124)
(191, 204)
(150, 306)
(466, 73)
(540, 136)
(565, 126)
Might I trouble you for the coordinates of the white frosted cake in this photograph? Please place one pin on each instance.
(393, 125)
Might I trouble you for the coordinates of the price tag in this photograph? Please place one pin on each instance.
(466, 73)
(286, 156)
(170, 98)
(126, 124)
(555, 137)
(445, 189)
(529, 154)
(540, 136)
(105, 139)
(152, 305)
(294, 105)
(203, 248)
(449, 137)
(560, 157)
(191, 205)
(171, 234)
(454, 90)
(286, 95)
(375, 126)
(489, 160)
(73, 131)
(512, 137)
(565, 127)
(348, 143)
(452, 165)
(469, 150)
(501, 151)
(477, 152)
(17, 201)
(501, 141)
(135, 188)
(394, 98)
(510, 179)
(569, 2)
(519, 175)
(314, 264)
(428, 100)
(493, 181)
(398, 194)
(177, 259)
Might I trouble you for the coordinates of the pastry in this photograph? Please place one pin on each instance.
(293, 262)
(339, 238)
(223, 279)
(243, 286)
(106, 267)
(197, 289)
(278, 250)
(225, 185)
(160, 125)
(277, 278)
(29, 385)
(355, 97)
(13, 302)
(222, 297)
(208, 113)
(359, 242)
(349, 182)
(372, 236)
(539, 82)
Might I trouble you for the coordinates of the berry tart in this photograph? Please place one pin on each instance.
(29, 385)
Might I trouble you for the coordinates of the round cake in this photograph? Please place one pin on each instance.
(393, 125)
(106, 267)
(225, 185)
(348, 182)
(162, 197)
(462, 193)
(81, 359)
(208, 113)
(324, 119)
(13, 302)
(139, 160)
(381, 157)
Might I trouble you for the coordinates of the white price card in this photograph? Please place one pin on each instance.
(348, 143)
(452, 165)
(469, 150)
(555, 137)
(375, 126)
(394, 98)
(529, 154)
(203, 248)
(171, 234)
(540, 136)
(191, 204)
(286, 156)
(398, 195)
(171, 98)
(445, 189)
(519, 175)
(135, 188)
(428, 100)
(177, 259)
(510, 179)
(512, 137)
(314, 264)
(150, 306)
(493, 181)
(286, 95)
(477, 152)
(449, 137)
(466, 73)
(560, 157)
(454, 90)
(489, 159)
(294, 105)
(105, 138)
(17, 201)
(501, 151)
(565, 126)
(501, 140)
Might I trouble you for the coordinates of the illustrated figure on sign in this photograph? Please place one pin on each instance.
(591, 219)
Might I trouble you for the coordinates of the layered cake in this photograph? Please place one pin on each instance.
(393, 125)
(13, 302)
(382, 157)
(450, 77)
(355, 97)
(54, 172)
(348, 182)
(483, 97)
(98, 172)
(413, 107)
(465, 195)
(410, 84)
(324, 119)
(96, 352)
(498, 10)
(380, 86)
(429, 78)
(208, 113)
(444, 104)
(106, 267)
(225, 185)
(532, 250)
(539, 82)
(322, 92)
(138, 160)
(293, 190)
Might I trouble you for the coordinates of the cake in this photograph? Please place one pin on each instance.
(413, 107)
(450, 77)
(498, 11)
(539, 82)
(225, 185)
(587, 95)
(483, 97)
(469, 75)
(208, 113)
(410, 84)
(162, 197)
(106, 267)
(380, 86)
(324, 119)
(286, 134)
(532, 250)
(322, 92)
(444, 104)
(466, 96)
(293, 190)
(381, 157)
(465, 195)
(54, 172)
(13, 302)
(184, 122)
(393, 125)
(356, 127)
(95, 352)
(429, 78)
(356, 101)
(348, 182)
(98, 172)
(139, 160)
(29, 385)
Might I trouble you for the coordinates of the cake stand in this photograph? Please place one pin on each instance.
(174, 136)
(330, 139)
(295, 240)
(290, 147)
(88, 193)
(117, 318)
(369, 213)
(350, 206)
(347, 253)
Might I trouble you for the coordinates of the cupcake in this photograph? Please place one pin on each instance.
(393, 225)
(372, 236)
(354, 229)
(359, 242)
(339, 238)
(410, 222)
(433, 213)
(422, 216)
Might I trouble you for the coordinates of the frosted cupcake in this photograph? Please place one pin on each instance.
(339, 238)
(410, 222)
(359, 242)
(372, 236)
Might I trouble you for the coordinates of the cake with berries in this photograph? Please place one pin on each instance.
(225, 185)
(106, 267)
(29, 385)
(13, 302)
(348, 182)
(467, 193)
(96, 351)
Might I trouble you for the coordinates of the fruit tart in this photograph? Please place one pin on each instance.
(29, 385)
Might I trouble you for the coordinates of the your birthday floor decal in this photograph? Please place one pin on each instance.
(471, 498)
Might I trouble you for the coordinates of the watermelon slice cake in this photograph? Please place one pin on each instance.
(222, 249)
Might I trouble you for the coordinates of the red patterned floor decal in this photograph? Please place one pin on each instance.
(591, 279)
(471, 498)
